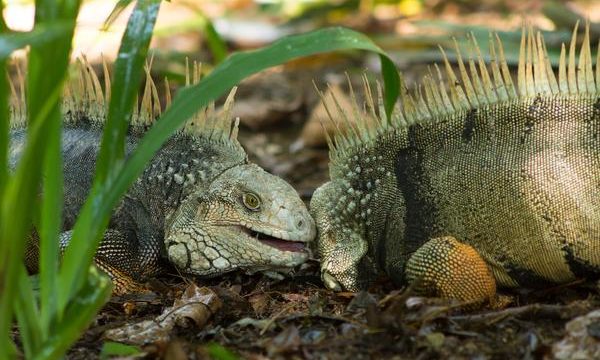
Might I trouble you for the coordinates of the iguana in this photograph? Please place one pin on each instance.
(472, 182)
(199, 204)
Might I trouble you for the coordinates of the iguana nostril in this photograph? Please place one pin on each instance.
(300, 224)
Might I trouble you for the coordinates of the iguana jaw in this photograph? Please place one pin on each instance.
(229, 247)
(280, 240)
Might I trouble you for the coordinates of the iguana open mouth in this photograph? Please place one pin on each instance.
(278, 243)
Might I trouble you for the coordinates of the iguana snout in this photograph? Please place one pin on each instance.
(247, 219)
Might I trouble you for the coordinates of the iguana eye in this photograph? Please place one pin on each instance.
(251, 201)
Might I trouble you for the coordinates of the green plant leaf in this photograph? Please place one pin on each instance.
(115, 12)
(14, 40)
(10, 250)
(127, 76)
(217, 45)
(27, 316)
(79, 313)
(110, 348)
(50, 44)
(219, 352)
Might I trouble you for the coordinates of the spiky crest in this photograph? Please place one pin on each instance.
(84, 96)
(436, 99)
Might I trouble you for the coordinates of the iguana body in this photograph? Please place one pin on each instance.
(199, 203)
(472, 183)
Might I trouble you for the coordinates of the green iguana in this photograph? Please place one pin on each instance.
(199, 203)
(472, 183)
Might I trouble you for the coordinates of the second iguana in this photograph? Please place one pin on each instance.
(199, 204)
(473, 182)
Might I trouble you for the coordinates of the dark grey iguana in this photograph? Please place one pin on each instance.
(472, 183)
(199, 203)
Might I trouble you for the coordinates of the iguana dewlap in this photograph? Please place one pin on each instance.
(199, 204)
(472, 183)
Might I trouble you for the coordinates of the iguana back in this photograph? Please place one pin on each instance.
(471, 186)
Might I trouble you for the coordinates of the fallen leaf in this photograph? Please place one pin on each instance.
(286, 341)
(196, 305)
(581, 341)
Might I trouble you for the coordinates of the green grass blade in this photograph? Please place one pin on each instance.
(127, 77)
(239, 66)
(18, 205)
(115, 12)
(14, 40)
(216, 44)
(41, 81)
(188, 102)
(50, 224)
(6, 346)
(111, 349)
(13, 208)
(27, 316)
(4, 114)
(79, 313)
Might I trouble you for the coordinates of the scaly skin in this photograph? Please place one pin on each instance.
(485, 185)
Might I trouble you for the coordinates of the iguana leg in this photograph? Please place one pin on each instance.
(445, 267)
(115, 256)
(118, 259)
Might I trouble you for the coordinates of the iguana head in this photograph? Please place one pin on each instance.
(245, 219)
(341, 246)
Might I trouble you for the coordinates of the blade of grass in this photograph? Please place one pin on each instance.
(111, 349)
(127, 75)
(50, 225)
(217, 46)
(10, 41)
(20, 192)
(188, 101)
(18, 204)
(27, 316)
(6, 347)
(115, 12)
(14, 40)
(41, 81)
(127, 78)
(79, 313)
(4, 113)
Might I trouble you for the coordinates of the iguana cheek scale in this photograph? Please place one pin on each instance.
(190, 205)
(473, 182)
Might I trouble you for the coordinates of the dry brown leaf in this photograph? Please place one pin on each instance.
(582, 340)
(197, 304)
(286, 341)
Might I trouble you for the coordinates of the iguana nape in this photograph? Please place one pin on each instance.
(199, 203)
(473, 182)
